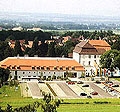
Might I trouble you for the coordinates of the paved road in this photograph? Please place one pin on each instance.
(35, 90)
(67, 90)
(100, 91)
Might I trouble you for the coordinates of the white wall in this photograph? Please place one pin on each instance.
(88, 61)
(76, 57)
(35, 74)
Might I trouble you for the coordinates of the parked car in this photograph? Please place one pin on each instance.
(80, 82)
(116, 85)
(109, 82)
(83, 94)
(71, 82)
(86, 85)
(94, 93)
(98, 82)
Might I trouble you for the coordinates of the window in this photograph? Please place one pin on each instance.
(67, 68)
(19, 76)
(13, 67)
(55, 68)
(89, 56)
(48, 68)
(23, 72)
(18, 67)
(61, 68)
(89, 63)
(42, 68)
(94, 56)
(73, 68)
(38, 68)
(33, 67)
(8, 67)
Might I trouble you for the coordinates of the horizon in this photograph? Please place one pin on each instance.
(77, 7)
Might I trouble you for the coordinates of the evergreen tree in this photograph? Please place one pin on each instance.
(51, 49)
(17, 49)
(34, 50)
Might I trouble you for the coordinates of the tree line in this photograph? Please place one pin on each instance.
(26, 35)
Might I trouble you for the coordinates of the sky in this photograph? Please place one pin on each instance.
(74, 7)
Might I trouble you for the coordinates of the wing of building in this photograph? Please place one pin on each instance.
(32, 68)
(88, 54)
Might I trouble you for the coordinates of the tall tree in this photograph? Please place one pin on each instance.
(34, 50)
(116, 44)
(4, 75)
(17, 49)
(43, 48)
(51, 49)
(108, 59)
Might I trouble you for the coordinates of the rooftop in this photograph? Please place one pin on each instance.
(26, 63)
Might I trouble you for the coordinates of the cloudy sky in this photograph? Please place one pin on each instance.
(87, 7)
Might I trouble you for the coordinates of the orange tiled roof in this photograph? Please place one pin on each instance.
(99, 43)
(27, 63)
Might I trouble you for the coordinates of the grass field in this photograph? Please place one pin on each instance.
(8, 95)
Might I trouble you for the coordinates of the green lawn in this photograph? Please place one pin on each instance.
(75, 106)
(13, 97)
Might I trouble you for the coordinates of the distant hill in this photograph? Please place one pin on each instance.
(35, 17)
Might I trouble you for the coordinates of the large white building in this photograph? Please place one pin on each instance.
(88, 54)
(32, 68)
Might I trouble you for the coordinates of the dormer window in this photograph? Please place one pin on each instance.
(67, 68)
(61, 68)
(13, 67)
(42, 68)
(73, 68)
(55, 68)
(33, 67)
(8, 67)
(48, 68)
(18, 67)
(38, 68)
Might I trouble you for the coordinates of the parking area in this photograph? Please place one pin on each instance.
(81, 89)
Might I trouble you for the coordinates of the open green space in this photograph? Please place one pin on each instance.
(9, 95)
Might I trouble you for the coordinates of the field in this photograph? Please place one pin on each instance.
(9, 95)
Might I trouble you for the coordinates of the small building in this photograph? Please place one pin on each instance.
(32, 68)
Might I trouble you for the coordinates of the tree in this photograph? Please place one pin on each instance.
(59, 51)
(116, 44)
(17, 49)
(51, 49)
(49, 104)
(4, 75)
(34, 50)
(43, 48)
(109, 58)
(117, 61)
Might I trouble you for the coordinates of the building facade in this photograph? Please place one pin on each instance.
(33, 68)
(88, 54)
